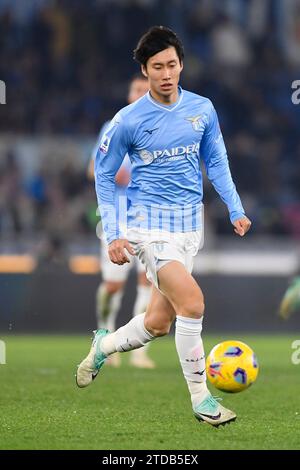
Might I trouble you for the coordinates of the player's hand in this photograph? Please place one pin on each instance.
(116, 251)
(241, 226)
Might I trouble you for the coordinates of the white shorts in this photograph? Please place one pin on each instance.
(114, 272)
(156, 248)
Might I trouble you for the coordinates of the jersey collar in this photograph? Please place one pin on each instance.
(166, 107)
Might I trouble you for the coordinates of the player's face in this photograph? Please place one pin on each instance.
(163, 72)
(137, 89)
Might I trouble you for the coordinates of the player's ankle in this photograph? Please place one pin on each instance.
(108, 345)
(199, 393)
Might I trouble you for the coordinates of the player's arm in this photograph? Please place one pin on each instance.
(91, 166)
(122, 177)
(91, 170)
(214, 153)
(114, 145)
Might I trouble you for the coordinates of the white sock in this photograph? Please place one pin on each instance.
(107, 307)
(191, 355)
(141, 302)
(133, 335)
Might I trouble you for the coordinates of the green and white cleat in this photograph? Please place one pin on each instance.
(210, 411)
(89, 368)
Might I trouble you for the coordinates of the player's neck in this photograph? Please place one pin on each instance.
(163, 99)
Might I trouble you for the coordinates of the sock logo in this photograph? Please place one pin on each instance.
(128, 346)
(200, 372)
(195, 360)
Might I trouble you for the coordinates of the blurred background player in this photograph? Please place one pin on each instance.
(290, 302)
(110, 291)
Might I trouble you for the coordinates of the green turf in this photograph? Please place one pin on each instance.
(41, 408)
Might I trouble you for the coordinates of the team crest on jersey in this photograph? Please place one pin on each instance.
(105, 144)
(196, 122)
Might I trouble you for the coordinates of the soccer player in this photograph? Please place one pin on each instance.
(165, 134)
(290, 302)
(110, 292)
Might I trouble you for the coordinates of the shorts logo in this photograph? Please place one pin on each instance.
(196, 122)
(105, 144)
(159, 247)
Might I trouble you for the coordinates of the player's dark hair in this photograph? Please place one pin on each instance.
(157, 39)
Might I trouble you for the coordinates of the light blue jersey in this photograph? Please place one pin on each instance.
(126, 164)
(165, 144)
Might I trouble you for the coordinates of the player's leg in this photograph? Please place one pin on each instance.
(186, 297)
(110, 291)
(290, 302)
(108, 301)
(109, 296)
(139, 357)
(142, 328)
(139, 331)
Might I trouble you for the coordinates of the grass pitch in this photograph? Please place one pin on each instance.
(127, 408)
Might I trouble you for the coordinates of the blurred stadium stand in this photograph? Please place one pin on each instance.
(66, 65)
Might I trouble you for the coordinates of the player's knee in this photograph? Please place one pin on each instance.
(113, 287)
(157, 328)
(193, 309)
(159, 331)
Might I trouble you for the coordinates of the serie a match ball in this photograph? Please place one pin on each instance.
(232, 366)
